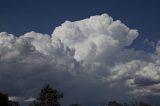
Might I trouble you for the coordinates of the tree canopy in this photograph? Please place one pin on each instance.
(48, 97)
(4, 100)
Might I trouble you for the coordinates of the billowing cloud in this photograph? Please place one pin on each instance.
(87, 60)
(96, 38)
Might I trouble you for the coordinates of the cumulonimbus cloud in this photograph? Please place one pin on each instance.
(95, 38)
(86, 59)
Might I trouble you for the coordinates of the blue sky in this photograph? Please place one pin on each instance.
(21, 16)
(84, 58)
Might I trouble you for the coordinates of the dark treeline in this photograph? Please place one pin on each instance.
(4, 101)
(50, 97)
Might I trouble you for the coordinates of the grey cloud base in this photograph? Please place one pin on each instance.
(85, 59)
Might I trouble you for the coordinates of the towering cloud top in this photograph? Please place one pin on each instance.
(95, 37)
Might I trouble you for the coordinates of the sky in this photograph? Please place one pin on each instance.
(80, 47)
(21, 16)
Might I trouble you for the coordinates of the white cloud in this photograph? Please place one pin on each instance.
(31, 99)
(13, 98)
(96, 38)
(148, 42)
(82, 58)
(21, 99)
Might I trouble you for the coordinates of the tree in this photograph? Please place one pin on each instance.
(13, 103)
(75, 104)
(141, 103)
(125, 104)
(4, 101)
(114, 103)
(48, 97)
(134, 102)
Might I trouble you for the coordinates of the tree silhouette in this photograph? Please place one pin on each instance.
(141, 103)
(76, 104)
(125, 104)
(114, 103)
(134, 102)
(4, 101)
(48, 97)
